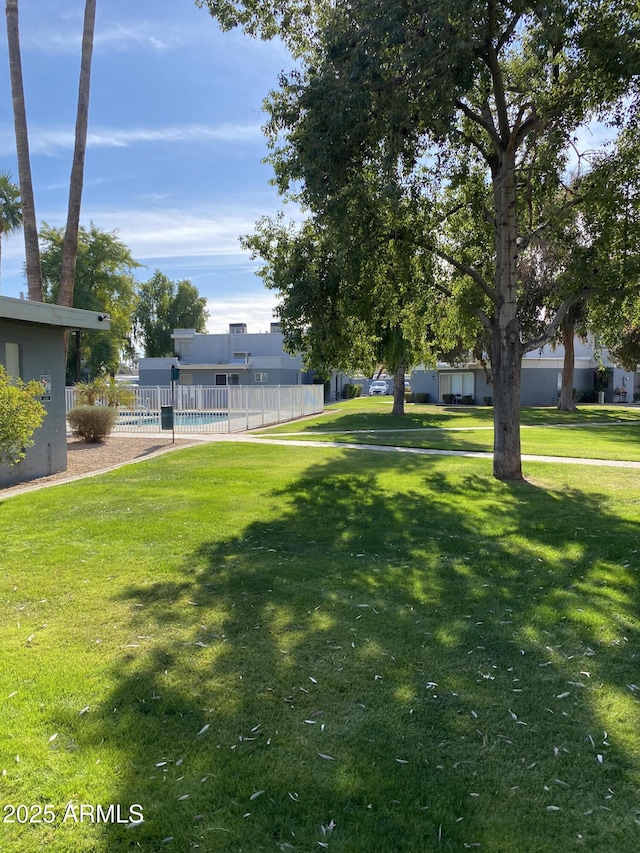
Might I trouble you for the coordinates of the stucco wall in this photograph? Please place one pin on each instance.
(41, 354)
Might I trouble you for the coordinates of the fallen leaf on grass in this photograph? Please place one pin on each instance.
(326, 757)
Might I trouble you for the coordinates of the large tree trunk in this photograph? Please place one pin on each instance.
(398, 389)
(506, 346)
(565, 402)
(29, 221)
(506, 356)
(70, 244)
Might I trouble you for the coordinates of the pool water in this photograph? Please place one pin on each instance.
(192, 419)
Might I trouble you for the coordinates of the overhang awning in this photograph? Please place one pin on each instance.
(48, 314)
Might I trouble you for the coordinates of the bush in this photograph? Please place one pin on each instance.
(467, 399)
(447, 399)
(92, 423)
(351, 390)
(488, 401)
(21, 413)
(590, 396)
(108, 392)
(422, 397)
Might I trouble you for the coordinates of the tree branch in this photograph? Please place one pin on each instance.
(508, 32)
(552, 328)
(482, 121)
(474, 275)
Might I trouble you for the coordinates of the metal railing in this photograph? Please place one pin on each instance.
(204, 409)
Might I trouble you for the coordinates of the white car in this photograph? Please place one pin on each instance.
(377, 387)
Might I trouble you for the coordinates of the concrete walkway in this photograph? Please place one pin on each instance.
(247, 438)
(382, 448)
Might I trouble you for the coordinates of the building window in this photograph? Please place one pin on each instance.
(457, 384)
(186, 378)
(227, 379)
(261, 377)
(12, 359)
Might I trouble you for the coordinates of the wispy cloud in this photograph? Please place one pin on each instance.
(256, 312)
(50, 140)
(66, 38)
(175, 234)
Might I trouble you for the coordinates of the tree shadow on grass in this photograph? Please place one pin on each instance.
(423, 656)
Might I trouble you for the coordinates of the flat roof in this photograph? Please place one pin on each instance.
(48, 314)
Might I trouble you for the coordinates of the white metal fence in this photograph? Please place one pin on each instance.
(203, 409)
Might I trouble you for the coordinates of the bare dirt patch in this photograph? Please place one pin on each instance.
(84, 458)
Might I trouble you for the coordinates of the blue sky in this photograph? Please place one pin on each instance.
(175, 142)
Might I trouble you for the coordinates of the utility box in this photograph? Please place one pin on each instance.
(166, 417)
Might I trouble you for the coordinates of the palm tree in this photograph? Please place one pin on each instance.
(10, 207)
(70, 244)
(29, 223)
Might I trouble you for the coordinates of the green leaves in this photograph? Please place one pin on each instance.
(103, 282)
(21, 413)
(165, 305)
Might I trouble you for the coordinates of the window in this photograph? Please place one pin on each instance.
(186, 378)
(461, 384)
(12, 359)
(240, 358)
(261, 377)
(227, 379)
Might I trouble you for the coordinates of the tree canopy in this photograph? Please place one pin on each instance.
(479, 106)
(10, 206)
(104, 281)
(165, 305)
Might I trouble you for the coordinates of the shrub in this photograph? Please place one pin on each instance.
(21, 413)
(488, 401)
(422, 397)
(447, 398)
(101, 390)
(92, 423)
(351, 390)
(467, 399)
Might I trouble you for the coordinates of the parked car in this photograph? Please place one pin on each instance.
(377, 387)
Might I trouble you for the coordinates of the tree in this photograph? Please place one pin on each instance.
(165, 305)
(30, 226)
(455, 89)
(70, 244)
(104, 282)
(321, 273)
(10, 206)
(21, 413)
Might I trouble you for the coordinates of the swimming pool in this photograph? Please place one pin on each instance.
(183, 420)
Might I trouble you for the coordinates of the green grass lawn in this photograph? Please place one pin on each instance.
(283, 648)
(593, 432)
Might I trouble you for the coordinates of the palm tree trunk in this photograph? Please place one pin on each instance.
(70, 244)
(29, 221)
